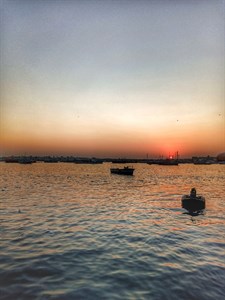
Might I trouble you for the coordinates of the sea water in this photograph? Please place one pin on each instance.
(70, 231)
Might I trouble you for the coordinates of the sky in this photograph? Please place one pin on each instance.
(112, 78)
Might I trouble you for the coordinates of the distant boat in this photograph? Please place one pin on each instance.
(122, 171)
(168, 162)
(50, 160)
(25, 161)
(88, 161)
(11, 159)
(20, 160)
(193, 202)
(203, 162)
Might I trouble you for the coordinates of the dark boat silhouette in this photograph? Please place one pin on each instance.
(193, 202)
(25, 161)
(168, 162)
(122, 171)
(11, 159)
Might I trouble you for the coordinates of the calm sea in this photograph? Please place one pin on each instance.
(71, 231)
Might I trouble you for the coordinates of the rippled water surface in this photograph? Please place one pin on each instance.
(77, 232)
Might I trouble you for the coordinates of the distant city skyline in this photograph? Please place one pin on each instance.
(112, 78)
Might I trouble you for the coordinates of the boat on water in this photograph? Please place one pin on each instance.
(193, 202)
(122, 171)
(50, 160)
(168, 162)
(88, 161)
(11, 159)
(22, 162)
(26, 160)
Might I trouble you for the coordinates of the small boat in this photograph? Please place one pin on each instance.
(122, 171)
(193, 202)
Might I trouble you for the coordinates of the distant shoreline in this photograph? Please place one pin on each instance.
(94, 160)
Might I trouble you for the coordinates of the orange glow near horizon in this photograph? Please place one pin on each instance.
(113, 144)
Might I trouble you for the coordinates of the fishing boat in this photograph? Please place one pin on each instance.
(193, 202)
(122, 171)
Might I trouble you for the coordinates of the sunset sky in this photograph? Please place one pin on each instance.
(112, 78)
